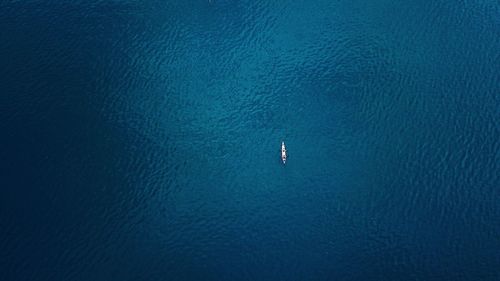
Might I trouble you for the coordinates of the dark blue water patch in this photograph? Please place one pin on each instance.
(141, 140)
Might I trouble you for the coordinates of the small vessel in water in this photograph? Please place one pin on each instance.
(283, 152)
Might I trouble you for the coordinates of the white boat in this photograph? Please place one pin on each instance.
(283, 152)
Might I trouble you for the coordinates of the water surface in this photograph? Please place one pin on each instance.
(141, 140)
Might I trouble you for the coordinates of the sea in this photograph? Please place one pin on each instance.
(140, 140)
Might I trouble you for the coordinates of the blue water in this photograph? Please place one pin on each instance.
(140, 140)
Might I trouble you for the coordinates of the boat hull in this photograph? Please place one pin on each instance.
(283, 152)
